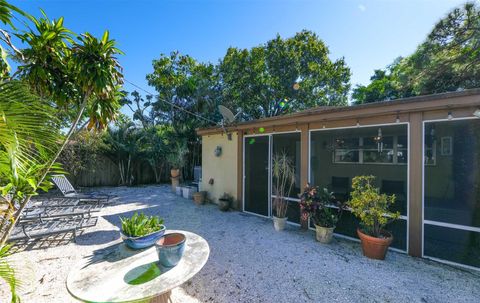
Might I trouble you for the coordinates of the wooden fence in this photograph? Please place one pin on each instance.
(105, 173)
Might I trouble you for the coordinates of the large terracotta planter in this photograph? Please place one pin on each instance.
(323, 234)
(175, 173)
(375, 248)
(279, 223)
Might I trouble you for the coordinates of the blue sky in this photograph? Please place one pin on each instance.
(369, 34)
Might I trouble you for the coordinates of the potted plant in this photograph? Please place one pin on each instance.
(372, 208)
(225, 201)
(140, 231)
(322, 207)
(177, 158)
(283, 172)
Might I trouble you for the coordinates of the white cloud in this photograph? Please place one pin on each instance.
(362, 7)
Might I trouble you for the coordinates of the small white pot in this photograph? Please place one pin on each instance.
(323, 234)
(279, 223)
(188, 192)
(179, 190)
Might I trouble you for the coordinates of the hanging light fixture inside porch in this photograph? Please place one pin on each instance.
(379, 140)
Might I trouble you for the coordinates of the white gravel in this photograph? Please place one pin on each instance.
(250, 262)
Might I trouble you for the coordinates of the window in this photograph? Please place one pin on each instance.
(338, 155)
(452, 191)
(376, 151)
(347, 150)
(392, 149)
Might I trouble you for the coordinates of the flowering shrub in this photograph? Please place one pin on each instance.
(371, 207)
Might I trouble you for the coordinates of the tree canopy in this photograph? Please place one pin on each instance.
(448, 60)
(283, 76)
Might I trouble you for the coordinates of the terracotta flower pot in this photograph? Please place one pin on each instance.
(199, 197)
(323, 234)
(175, 173)
(375, 248)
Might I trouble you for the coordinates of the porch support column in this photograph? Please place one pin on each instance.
(415, 157)
(304, 156)
(239, 197)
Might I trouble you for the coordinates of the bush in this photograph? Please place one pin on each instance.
(320, 205)
(370, 206)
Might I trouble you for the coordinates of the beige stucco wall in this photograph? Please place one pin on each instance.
(222, 169)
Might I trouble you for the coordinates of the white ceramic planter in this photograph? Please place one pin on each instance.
(179, 190)
(324, 234)
(188, 192)
(279, 223)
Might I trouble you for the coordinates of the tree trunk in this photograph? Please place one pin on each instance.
(25, 201)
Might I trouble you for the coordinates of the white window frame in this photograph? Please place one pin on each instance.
(403, 217)
(440, 223)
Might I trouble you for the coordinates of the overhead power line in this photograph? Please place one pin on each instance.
(171, 103)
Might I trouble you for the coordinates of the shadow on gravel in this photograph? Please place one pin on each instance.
(98, 237)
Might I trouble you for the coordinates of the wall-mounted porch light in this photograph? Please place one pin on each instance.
(218, 151)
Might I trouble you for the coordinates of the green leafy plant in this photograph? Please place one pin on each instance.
(9, 274)
(140, 225)
(283, 173)
(321, 206)
(177, 157)
(370, 206)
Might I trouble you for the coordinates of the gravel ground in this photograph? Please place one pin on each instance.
(250, 262)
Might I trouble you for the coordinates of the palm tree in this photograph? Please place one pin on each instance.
(29, 134)
(123, 148)
(11, 273)
(77, 76)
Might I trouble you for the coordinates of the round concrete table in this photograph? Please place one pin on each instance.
(120, 274)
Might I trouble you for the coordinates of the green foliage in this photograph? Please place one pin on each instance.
(370, 206)
(77, 75)
(320, 205)
(283, 174)
(122, 146)
(140, 225)
(176, 157)
(8, 273)
(283, 76)
(29, 132)
(156, 143)
(447, 60)
(188, 84)
(82, 152)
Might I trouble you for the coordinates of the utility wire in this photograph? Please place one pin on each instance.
(172, 104)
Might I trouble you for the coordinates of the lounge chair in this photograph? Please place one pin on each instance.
(69, 191)
(41, 212)
(44, 228)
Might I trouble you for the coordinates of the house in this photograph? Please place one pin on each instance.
(425, 150)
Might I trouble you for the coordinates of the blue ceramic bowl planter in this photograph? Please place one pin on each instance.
(143, 241)
(170, 249)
